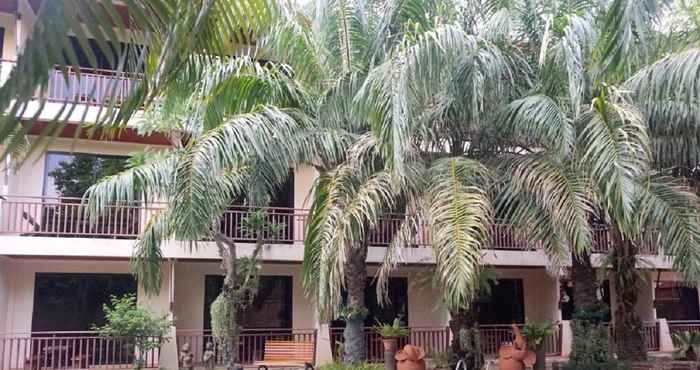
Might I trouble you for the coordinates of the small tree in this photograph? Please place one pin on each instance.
(241, 279)
(125, 319)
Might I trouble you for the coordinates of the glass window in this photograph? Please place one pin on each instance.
(505, 304)
(71, 174)
(396, 308)
(71, 302)
(271, 308)
(676, 302)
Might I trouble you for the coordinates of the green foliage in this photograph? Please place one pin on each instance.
(688, 344)
(441, 359)
(342, 366)
(348, 313)
(590, 347)
(221, 319)
(393, 330)
(73, 178)
(535, 333)
(596, 315)
(124, 319)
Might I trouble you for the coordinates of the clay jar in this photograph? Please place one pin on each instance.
(410, 358)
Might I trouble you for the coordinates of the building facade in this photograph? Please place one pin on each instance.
(57, 269)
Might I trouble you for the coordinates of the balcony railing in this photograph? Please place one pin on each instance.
(437, 339)
(67, 217)
(679, 326)
(94, 86)
(493, 336)
(650, 333)
(251, 345)
(432, 339)
(70, 350)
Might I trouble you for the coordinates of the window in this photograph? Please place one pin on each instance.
(397, 307)
(72, 302)
(271, 308)
(71, 174)
(118, 50)
(676, 302)
(505, 304)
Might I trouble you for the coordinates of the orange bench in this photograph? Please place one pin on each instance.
(286, 353)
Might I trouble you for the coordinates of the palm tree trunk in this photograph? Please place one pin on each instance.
(583, 275)
(355, 281)
(465, 320)
(629, 341)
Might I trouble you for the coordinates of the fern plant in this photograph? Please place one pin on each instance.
(687, 343)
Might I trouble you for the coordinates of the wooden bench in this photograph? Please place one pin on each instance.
(286, 353)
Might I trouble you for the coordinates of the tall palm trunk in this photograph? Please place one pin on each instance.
(465, 346)
(583, 275)
(628, 326)
(355, 281)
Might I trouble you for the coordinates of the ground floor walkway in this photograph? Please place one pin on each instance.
(48, 307)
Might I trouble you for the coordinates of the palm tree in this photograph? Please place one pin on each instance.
(573, 145)
(222, 117)
(602, 142)
(355, 55)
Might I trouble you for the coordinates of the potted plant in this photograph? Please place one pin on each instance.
(535, 335)
(390, 334)
(687, 343)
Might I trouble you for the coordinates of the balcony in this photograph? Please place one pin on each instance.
(67, 217)
(70, 350)
(94, 87)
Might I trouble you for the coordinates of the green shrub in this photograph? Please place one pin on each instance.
(125, 319)
(688, 344)
(362, 366)
(590, 347)
(537, 332)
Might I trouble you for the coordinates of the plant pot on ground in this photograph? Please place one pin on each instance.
(390, 334)
(535, 335)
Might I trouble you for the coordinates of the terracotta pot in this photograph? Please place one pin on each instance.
(410, 358)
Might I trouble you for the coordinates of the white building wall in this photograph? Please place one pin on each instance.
(9, 42)
(5, 292)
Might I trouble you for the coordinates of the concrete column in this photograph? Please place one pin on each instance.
(159, 304)
(566, 338)
(665, 339)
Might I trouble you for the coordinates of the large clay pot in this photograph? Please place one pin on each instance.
(515, 356)
(410, 358)
(511, 358)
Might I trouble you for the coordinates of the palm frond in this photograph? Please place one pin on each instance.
(554, 188)
(614, 148)
(148, 256)
(150, 180)
(668, 215)
(459, 217)
(537, 121)
(160, 38)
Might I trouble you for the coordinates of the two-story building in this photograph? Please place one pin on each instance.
(57, 269)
